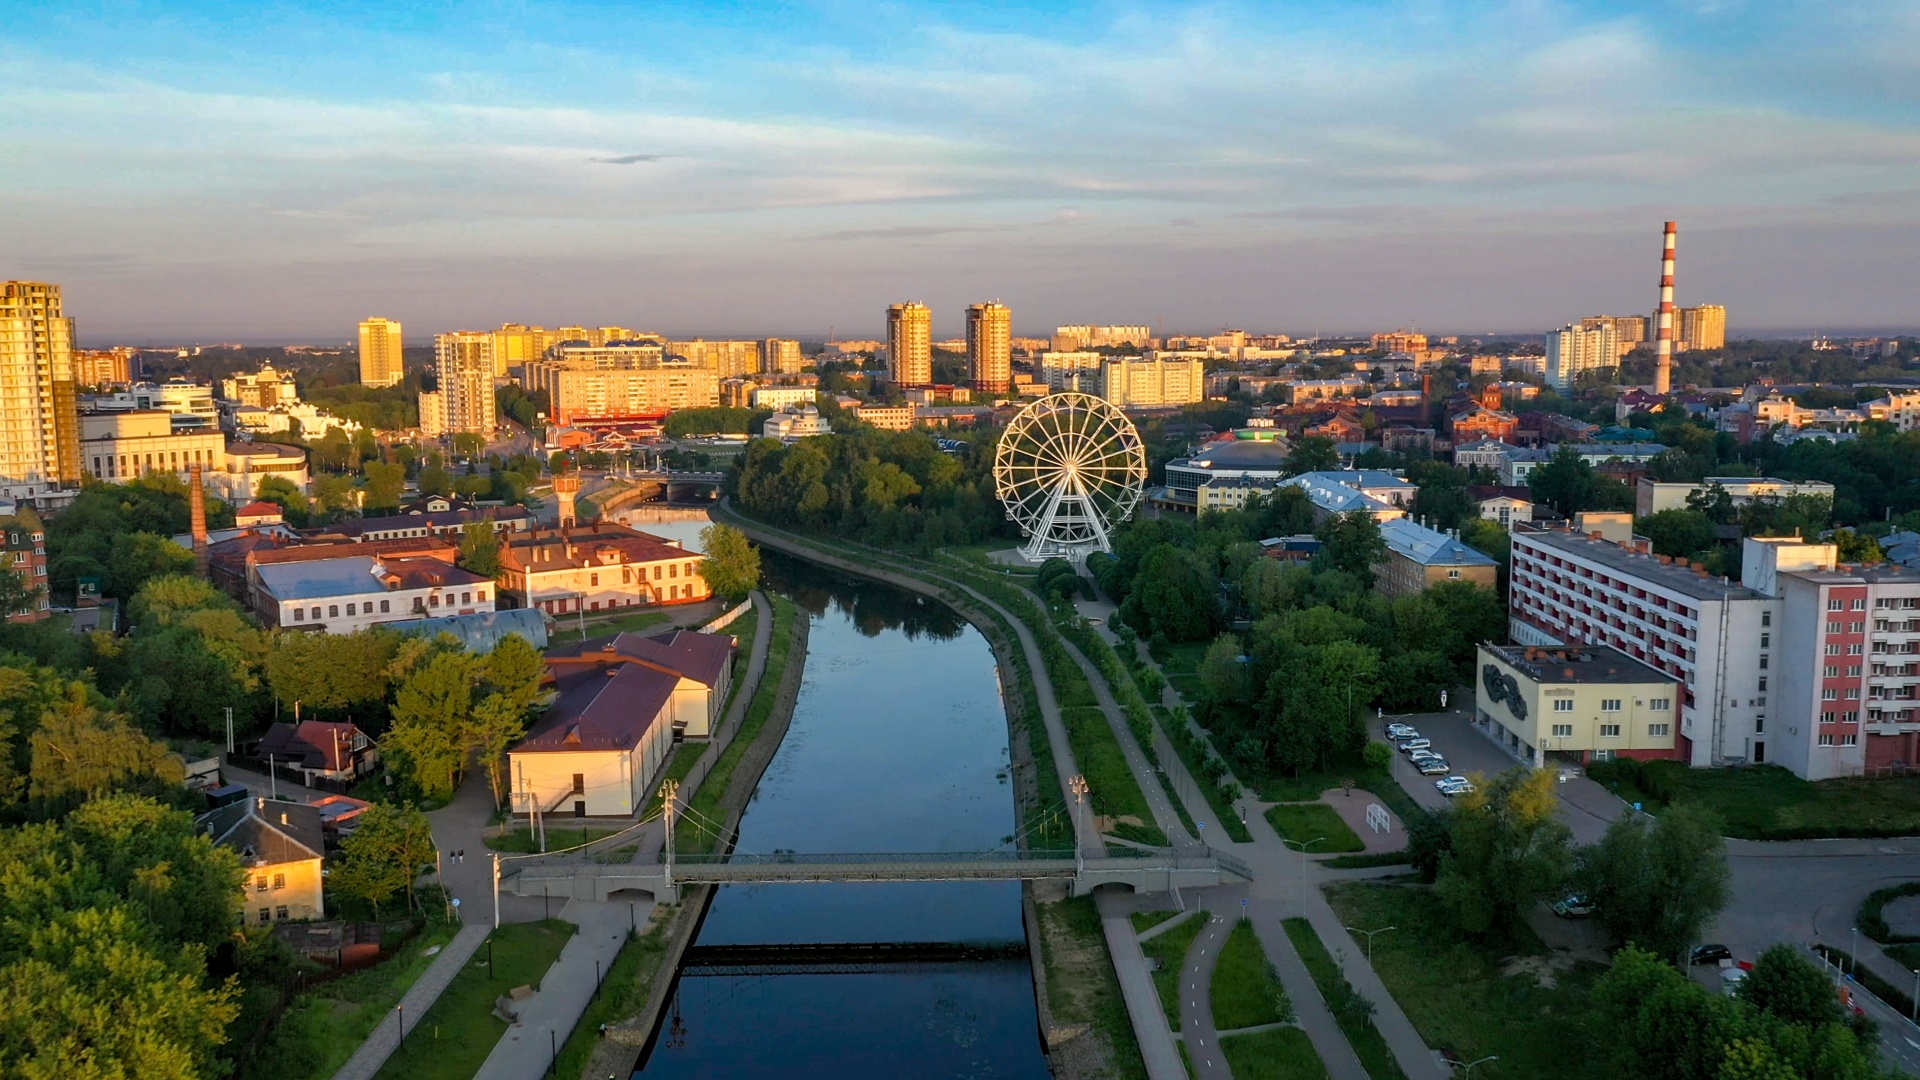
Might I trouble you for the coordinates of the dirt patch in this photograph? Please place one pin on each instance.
(1544, 970)
(1903, 915)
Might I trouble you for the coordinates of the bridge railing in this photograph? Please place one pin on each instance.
(789, 858)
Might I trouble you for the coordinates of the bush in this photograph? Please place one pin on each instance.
(1377, 755)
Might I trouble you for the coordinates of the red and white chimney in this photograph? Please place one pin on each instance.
(197, 505)
(1663, 328)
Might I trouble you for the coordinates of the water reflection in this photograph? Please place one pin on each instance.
(898, 743)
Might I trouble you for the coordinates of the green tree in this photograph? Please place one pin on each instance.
(142, 556)
(480, 549)
(339, 674)
(1787, 987)
(1565, 482)
(1173, 594)
(1678, 532)
(388, 849)
(385, 482)
(1312, 453)
(18, 593)
(155, 857)
(80, 753)
(1353, 543)
(732, 565)
(1857, 547)
(431, 712)
(1509, 849)
(433, 479)
(1223, 674)
(1658, 883)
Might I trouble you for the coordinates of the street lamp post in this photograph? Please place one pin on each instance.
(1467, 1069)
(1303, 867)
(1370, 934)
(1078, 785)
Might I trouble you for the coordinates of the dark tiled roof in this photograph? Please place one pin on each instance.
(701, 657)
(267, 832)
(601, 709)
(311, 744)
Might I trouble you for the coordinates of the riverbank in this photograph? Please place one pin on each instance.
(1083, 1014)
(738, 766)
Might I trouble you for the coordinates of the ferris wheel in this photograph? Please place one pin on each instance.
(1068, 468)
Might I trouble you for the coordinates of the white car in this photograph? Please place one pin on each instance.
(1421, 755)
(1453, 785)
(1430, 766)
(1410, 745)
(1401, 731)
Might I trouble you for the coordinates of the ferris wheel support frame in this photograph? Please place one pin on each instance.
(1072, 465)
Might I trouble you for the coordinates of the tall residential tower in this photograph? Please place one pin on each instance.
(990, 347)
(464, 364)
(39, 421)
(381, 361)
(910, 345)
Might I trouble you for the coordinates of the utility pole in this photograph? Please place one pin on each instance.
(1303, 868)
(229, 729)
(669, 794)
(496, 907)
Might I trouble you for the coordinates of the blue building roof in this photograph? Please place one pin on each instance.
(483, 630)
(1429, 547)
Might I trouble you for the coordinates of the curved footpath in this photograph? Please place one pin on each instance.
(1196, 1001)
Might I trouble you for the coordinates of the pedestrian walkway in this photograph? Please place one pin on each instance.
(569, 986)
(413, 1007)
(1157, 1051)
(1143, 771)
(1310, 1009)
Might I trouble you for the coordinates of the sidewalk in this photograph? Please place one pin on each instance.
(1143, 772)
(547, 1018)
(420, 997)
(1157, 1051)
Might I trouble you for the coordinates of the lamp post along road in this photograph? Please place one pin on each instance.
(1467, 1069)
(1078, 785)
(1370, 934)
(1303, 846)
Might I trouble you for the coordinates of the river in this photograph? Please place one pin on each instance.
(898, 743)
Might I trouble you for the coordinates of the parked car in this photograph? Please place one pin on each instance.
(1411, 745)
(1709, 954)
(1730, 981)
(1401, 731)
(1432, 766)
(1421, 755)
(1573, 907)
(1453, 785)
(1404, 736)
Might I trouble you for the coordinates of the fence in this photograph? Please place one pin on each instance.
(290, 774)
(725, 618)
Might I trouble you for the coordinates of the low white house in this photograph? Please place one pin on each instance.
(596, 751)
(341, 596)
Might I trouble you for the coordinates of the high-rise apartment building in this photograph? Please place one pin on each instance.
(1133, 382)
(724, 358)
(39, 417)
(1628, 330)
(990, 347)
(1574, 349)
(910, 345)
(104, 367)
(1400, 341)
(516, 344)
(780, 356)
(1077, 338)
(433, 414)
(1703, 327)
(382, 361)
(464, 364)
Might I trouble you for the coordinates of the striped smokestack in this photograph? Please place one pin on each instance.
(1663, 338)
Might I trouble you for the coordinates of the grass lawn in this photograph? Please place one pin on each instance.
(606, 627)
(1459, 998)
(1303, 822)
(1246, 992)
(522, 841)
(1081, 985)
(1110, 780)
(1280, 1054)
(679, 765)
(1277, 788)
(1170, 949)
(455, 1037)
(1766, 802)
(1184, 659)
(1367, 1042)
(1144, 921)
(324, 1026)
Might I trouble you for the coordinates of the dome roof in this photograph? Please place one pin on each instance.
(1242, 454)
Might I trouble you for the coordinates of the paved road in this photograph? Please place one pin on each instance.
(1196, 1000)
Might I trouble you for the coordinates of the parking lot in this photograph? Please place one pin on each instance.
(1588, 806)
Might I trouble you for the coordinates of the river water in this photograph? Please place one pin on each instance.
(898, 743)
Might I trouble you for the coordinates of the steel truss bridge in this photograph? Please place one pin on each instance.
(839, 958)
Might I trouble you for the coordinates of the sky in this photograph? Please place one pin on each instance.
(275, 172)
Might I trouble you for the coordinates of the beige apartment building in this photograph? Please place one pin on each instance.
(433, 414)
(103, 367)
(39, 418)
(1702, 327)
(724, 358)
(910, 345)
(1592, 702)
(382, 359)
(1076, 338)
(644, 392)
(781, 356)
(1132, 383)
(1575, 348)
(122, 446)
(465, 365)
(990, 347)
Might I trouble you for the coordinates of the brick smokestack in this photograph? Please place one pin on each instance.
(566, 488)
(197, 504)
(1663, 318)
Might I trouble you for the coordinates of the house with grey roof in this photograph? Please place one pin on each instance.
(1419, 558)
(282, 846)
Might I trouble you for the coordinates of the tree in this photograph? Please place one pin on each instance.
(18, 593)
(80, 753)
(433, 479)
(480, 549)
(1657, 883)
(1509, 850)
(429, 736)
(732, 565)
(1857, 547)
(136, 558)
(1313, 453)
(385, 482)
(1173, 594)
(1788, 988)
(341, 674)
(285, 494)
(158, 859)
(1223, 674)
(385, 854)
(1353, 543)
(1678, 532)
(1565, 482)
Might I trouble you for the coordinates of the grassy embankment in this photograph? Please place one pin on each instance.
(453, 1040)
(1367, 1042)
(622, 993)
(1472, 1000)
(1081, 985)
(692, 832)
(1766, 802)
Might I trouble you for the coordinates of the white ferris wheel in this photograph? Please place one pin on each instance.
(1069, 467)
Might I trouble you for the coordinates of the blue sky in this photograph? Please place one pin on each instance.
(259, 172)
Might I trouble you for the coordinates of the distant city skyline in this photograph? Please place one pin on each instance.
(210, 171)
